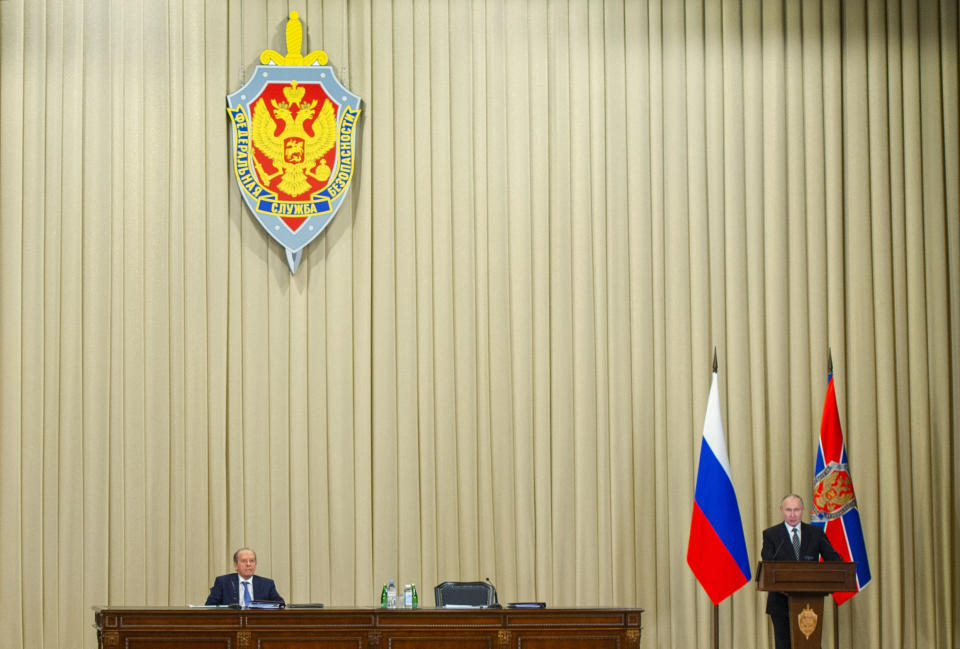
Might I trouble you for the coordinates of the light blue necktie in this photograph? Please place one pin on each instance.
(246, 593)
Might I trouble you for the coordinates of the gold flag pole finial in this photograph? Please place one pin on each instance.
(294, 45)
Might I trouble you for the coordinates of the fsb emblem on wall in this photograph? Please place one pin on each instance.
(294, 128)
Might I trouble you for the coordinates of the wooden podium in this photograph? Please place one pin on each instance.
(806, 583)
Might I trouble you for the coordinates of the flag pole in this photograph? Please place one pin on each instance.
(836, 609)
(716, 607)
(716, 626)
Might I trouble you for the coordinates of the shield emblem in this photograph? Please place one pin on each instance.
(293, 145)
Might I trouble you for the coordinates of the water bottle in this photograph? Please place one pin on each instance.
(414, 602)
(391, 595)
(383, 597)
(407, 597)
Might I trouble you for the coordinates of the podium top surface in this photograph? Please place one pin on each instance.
(807, 576)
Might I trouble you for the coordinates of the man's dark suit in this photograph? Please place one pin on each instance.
(226, 590)
(777, 546)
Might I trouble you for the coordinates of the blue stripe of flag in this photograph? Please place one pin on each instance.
(858, 549)
(717, 500)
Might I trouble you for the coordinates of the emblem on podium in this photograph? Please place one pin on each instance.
(807, 621)
(293, 143)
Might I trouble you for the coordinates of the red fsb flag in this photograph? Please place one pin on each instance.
(834, 502)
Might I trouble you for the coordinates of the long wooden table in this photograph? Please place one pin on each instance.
(343, 628)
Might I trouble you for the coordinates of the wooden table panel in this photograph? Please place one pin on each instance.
(310, 641)
(570, 641)
(176, 642)
(335, 628)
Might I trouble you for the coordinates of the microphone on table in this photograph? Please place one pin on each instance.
(496, 601)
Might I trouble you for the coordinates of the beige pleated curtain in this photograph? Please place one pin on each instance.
(495, 361)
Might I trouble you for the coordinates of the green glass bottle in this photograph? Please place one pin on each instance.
(415, 600)
(383, 597)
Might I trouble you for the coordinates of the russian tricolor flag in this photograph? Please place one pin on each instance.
(717, 551)
(834, 502)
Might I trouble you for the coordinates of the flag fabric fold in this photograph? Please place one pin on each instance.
(834, 506)
(717, 549)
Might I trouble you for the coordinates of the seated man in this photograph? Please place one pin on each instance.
(791, 540)
(242, 587)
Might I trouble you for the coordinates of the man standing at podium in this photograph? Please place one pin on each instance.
(242, 587)
(791, 540)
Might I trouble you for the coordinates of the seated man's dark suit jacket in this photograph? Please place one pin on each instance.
(778, 547)
(226, 590)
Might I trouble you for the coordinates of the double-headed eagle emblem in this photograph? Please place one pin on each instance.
(297, 152)
(833, 492)
(294, 128)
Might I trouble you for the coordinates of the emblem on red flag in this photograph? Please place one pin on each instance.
(833, 492)
(293, 155)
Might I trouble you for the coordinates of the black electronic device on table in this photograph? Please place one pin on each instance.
(466, 594)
